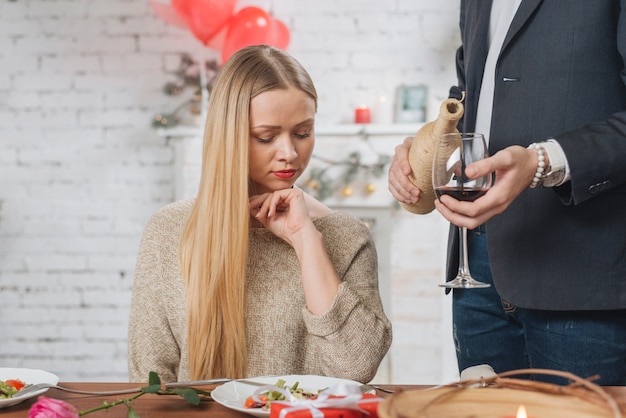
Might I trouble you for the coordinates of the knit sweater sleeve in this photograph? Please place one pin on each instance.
(156, 330)
(354, 335)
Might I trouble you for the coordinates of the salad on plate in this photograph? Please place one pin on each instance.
(10, 387)
(15, 379)
(264, 399)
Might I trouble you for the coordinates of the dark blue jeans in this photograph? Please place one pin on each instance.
(488, 330)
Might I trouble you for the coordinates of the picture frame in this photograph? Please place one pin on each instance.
(411, 104)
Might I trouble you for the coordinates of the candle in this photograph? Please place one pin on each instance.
(362, 114)
(521, 413)
(383, 111)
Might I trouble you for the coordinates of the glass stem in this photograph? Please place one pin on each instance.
(463, 258)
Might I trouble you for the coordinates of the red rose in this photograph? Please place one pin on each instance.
(51, 408)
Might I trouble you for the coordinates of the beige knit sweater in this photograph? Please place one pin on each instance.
(348, 341)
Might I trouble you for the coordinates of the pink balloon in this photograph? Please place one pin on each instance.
(163, 9)
(204, 18)
(253, 26)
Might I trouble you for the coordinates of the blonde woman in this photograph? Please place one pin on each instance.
(255, 277)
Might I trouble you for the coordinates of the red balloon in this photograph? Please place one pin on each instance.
(250, 26)
(204, 18)
(253, 26)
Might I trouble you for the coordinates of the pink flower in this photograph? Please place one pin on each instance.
(51, 408)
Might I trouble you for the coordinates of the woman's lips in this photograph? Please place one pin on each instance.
(285, 174)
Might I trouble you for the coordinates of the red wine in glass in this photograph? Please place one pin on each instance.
(467, 194)
(454, 152)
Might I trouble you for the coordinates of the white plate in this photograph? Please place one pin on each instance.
(28, 376)
(233, 394)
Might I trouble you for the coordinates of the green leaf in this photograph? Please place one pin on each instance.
(154, 383)
(151, 388)
(188, 394)
(154, 379)
(132, 414)
(130, 411)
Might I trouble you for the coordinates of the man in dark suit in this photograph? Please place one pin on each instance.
(542, 78)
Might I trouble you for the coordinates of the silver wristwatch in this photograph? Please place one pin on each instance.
(554, 173)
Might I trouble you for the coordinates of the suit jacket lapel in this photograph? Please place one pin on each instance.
(476, 42)
(524, 12)
(480, 38)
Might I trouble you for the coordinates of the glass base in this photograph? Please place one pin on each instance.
(464, 282)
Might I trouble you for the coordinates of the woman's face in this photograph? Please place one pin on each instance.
(281, 138)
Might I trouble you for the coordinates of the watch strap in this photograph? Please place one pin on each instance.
(555, 172)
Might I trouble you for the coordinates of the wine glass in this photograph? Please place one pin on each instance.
(454, 152)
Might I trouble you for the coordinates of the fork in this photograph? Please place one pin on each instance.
(38, 386)
(369, 387)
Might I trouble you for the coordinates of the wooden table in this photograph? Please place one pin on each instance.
(155, 406)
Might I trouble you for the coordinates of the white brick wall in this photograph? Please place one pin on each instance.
(81, 169)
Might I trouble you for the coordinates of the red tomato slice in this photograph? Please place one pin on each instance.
(251, 403)
(17, 384)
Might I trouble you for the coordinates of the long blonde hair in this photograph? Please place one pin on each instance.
(214, 244)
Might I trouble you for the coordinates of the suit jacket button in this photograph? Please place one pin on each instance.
(594, 189)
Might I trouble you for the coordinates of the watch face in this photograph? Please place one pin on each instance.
(553, 178)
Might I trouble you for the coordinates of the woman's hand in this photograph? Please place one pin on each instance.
(283, 212)
(514, 168)
(399, 169)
